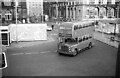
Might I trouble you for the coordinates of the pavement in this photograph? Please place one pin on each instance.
(105, 38)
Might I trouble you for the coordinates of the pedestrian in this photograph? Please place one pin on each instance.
(52, 27)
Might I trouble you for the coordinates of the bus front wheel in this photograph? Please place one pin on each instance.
(75, 52)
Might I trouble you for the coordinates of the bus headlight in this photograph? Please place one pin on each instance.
(71, 49)
(59, 47)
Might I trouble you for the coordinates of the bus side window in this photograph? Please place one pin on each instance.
(76, 39)
(80, 40)
(87, 37)
(96, 23)
(93, 24)
(87, 25)
(90, 36)
(90, 24)
(75, 27)
(60, 40)
(83, 38)
(65, 40)
(83, 25)
(80, 26)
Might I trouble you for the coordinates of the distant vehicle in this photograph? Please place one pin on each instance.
(3, 61)
(75, 36)
(49, 28)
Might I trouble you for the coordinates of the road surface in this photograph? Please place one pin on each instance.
(41, 59)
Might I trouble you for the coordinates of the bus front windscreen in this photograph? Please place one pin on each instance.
(66, 32)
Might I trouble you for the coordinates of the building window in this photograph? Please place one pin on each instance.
(8, 16)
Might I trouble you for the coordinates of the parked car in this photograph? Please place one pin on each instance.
(49, 28)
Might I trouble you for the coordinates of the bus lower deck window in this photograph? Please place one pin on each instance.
(80, 40)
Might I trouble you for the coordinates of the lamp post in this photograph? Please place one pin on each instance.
(16, 5)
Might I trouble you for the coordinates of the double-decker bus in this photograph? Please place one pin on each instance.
(75, 36)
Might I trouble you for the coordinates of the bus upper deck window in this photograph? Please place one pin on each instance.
(93, 24)
(86, 25)
(80, 26)
(75, 27)
(83, 26)
(84, 37)
(76, 39)
(90, 36)
(96, 23)
(80, 40)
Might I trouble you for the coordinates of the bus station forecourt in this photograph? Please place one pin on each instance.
(40, 58)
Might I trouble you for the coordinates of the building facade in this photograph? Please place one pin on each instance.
(8, 12)
(75, 10)
(35, 9)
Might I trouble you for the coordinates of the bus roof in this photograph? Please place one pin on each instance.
(75, 23)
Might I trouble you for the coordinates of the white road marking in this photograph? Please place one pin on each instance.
(45, 51)
(29, 53)
(53, 34)
(17, 54)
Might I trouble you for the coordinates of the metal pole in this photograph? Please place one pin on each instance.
(42, 11)
(16, 19)
(66, 10)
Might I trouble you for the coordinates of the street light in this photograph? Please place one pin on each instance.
(16, 5)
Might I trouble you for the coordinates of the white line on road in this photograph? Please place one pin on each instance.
(53, 34)
(33, 53)
(17, 54)
(45, 51)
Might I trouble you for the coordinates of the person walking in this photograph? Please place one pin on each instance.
(52, 27)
